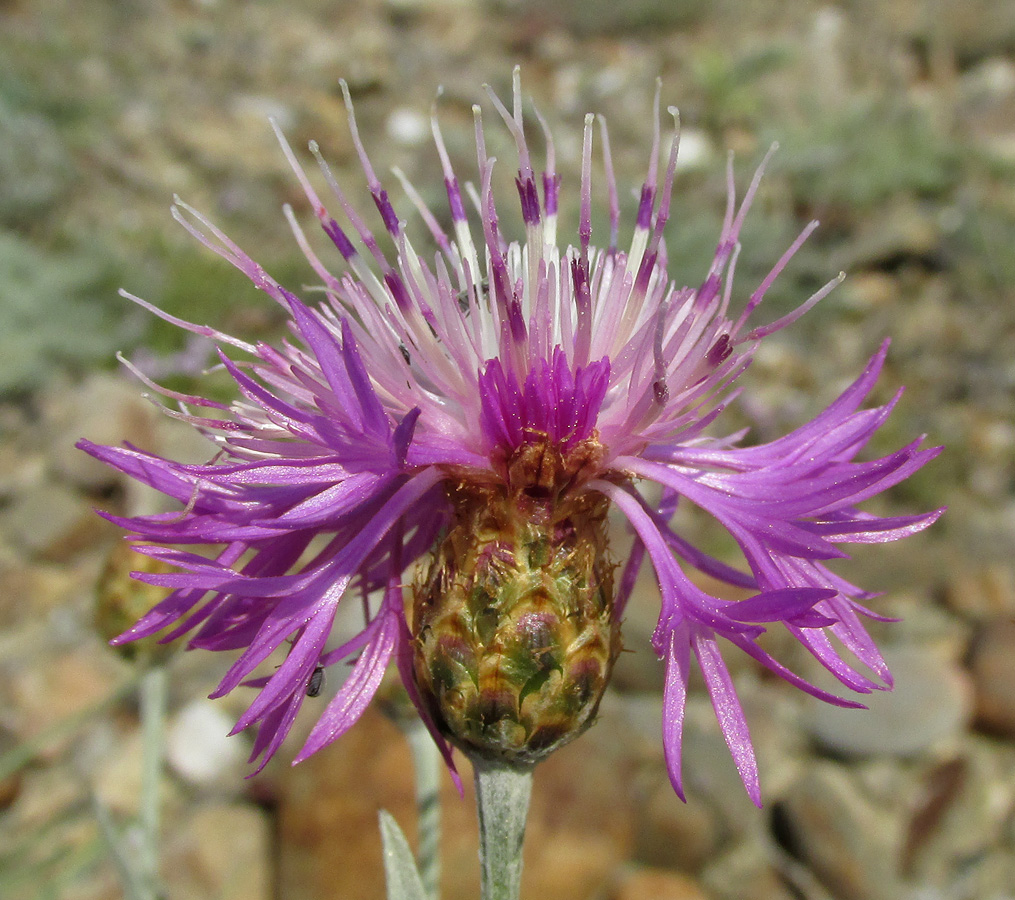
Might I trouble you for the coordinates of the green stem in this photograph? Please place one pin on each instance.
(502, 799)
(133, 880)
(427, 765)
(154, 693)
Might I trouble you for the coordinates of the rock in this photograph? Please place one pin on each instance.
(601, 18)
(407, 126)
(937, 792)
(31, 591)
(931, 702)
(826, 63)
(774, 711)
(199, 748)
(223, 852)
(655, 884)
(984, 593)
(926, 624)
(52, 522)
(972, 30)
(964, 807)
(988, 82)
(117, 777)
(850, 845)
(581, 822)
(745, 872)
(673, 834)
(46, 792)
(710, 774)
(864, 292)
(583, 815)
(10, 785)
(904, 231)
(48, 827)
(992, 665)
(22, 467)
(106, 409)
(990, 876)
(884, 780)
(59, 686)
(329, 841)
(696, 151)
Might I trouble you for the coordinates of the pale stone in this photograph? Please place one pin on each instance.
(59, 686)
(965, 806)
(407, 126)
(31, 591)
(930, 703)
(117, 778)
(106, 409)
(223, 852)
(51, 522)
(745, 872)
(655, 884)
(675, 834)
(696, 150)
(852, 846)
(198, 745)
(992, 665)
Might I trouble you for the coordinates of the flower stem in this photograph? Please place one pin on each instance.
(427, 767)
(154, 693)
(502, 798)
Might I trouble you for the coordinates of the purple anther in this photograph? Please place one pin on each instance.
(455, 200)
(551, 192)
(707, 291)
(645, 205)
(641, 280)
(387, 212)
(393, 282)
(719, 352)
(517, 321)
(530, 200)
(338, 237)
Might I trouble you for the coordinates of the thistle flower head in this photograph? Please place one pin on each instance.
(460, 422)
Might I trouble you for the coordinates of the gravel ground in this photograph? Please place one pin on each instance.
(896, 123)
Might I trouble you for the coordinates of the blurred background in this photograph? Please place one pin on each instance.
(896, 125)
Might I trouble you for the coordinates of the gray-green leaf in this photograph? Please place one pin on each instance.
(400, 870)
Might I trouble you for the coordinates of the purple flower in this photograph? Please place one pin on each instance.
(518, 381)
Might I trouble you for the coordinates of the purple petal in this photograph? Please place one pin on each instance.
(678, 668)
(781, 605)
(357, 691)
(729, 712)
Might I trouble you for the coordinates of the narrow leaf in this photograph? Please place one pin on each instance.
(401, 874)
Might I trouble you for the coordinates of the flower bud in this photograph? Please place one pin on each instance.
(120, 601)
(514, 631)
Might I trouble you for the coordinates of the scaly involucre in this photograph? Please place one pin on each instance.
(419, 380)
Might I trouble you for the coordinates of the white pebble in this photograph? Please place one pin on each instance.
(407, 126)
(198, 745)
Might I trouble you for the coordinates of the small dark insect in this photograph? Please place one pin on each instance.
(463, 296)
(316, 682)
